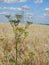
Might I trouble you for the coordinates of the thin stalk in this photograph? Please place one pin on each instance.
(16, 50)
(6, 57)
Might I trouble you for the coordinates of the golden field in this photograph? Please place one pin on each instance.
(37, 42)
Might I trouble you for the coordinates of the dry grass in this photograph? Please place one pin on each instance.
(37, 42)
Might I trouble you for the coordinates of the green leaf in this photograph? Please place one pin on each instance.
(8, 16)
(15, 21)
(31, 53)
(20, 30)
(12, 60)
(26, 58)
(25, 33)
(29, 22)
(18, 16)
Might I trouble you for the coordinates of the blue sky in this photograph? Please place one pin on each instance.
(33, 10)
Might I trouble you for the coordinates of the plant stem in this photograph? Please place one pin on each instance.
(16, 50)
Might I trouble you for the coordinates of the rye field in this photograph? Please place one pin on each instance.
(34, 48)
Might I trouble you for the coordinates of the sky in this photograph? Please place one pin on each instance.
(36, 11)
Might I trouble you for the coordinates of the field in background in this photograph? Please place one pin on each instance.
(37, 42)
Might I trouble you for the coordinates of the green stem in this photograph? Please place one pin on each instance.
(16, 52)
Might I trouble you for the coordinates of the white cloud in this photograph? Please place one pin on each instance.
(25, 7)
(29, 15)
(38, 1)
(22, 0)
(46, 12)
(46, 9)
(19, 9)
(10, 8)
(0, 7)
(12, 1)
(4, 13)
(3, 8)
(9, 1)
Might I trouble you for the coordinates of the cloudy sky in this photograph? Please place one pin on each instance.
(33, 10)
